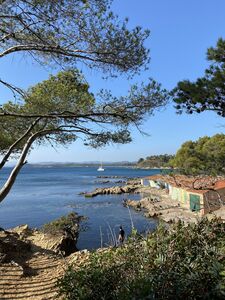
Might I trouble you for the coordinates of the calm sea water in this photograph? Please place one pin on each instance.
(42, 194)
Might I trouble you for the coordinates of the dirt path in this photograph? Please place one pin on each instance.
(36, 280)
(29, 268)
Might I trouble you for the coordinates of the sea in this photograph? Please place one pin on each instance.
(44, 193)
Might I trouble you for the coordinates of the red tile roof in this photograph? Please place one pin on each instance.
(219, 184)
(193, 184)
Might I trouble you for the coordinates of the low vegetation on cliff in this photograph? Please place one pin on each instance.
(57, 226)
(180, 262)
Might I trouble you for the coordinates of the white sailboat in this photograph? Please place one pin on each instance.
(100, 168)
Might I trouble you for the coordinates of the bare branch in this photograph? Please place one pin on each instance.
(51, 49)
(13, 88)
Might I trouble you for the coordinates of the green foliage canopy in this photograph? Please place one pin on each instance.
(63, 109)
(204, 156)
(208, 92)
(154, 161)
(66, 32)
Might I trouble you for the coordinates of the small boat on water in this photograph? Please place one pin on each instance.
(100, 168)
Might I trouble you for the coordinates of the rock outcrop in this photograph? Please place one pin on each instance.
(29, 271)
(61, 235)
(12, 247)
(31, 260)
(113, 190)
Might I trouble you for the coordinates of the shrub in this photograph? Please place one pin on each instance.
(180, 262)
(59, 225)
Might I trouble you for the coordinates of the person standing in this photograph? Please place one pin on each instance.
(121, 235)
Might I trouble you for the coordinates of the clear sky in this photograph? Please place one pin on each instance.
(181, 32)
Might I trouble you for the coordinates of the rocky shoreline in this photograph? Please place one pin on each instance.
(59, 237)
(131, 186)
(154, 203)
(162, 207)
(112, 190)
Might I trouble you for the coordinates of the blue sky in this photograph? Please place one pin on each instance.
(181, 32)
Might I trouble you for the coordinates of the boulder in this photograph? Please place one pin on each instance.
(22, 230)
(12, 247)
(67, 243)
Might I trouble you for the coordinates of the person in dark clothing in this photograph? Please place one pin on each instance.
(121, 235)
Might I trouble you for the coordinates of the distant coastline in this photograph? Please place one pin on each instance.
(96, 165)
(83, 164)
(133, 165)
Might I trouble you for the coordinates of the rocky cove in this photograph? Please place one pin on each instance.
(154, 203)
(32, 260)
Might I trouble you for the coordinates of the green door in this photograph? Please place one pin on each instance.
(194, 202)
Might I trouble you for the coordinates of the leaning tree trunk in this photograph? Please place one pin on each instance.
(21, 162)
(14, 145)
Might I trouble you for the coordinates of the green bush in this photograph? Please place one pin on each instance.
(180, 262)
(59, 225)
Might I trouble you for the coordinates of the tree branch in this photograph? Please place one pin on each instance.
(50, 49)
(13, 88)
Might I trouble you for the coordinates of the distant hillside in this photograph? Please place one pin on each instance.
(83, 164)
(154, 161)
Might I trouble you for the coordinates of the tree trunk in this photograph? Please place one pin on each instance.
(21, 162)
(13, 146)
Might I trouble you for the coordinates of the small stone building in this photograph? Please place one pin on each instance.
(202, 195)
